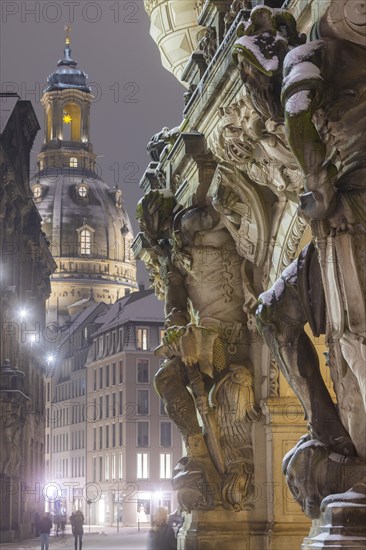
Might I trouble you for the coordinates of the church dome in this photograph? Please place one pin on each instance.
(67, 75)
(84, 219)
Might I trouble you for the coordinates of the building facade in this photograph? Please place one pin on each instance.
(131, 442)
(25, 269)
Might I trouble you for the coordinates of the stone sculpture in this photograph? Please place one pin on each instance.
(318, 90)
(207, 370)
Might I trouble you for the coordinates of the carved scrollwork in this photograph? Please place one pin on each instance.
(256, 147)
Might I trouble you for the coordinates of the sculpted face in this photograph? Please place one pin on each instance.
(264, 90)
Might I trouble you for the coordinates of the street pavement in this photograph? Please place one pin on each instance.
(99, 538)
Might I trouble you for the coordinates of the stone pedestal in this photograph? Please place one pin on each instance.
(222, 530)
(342, 524)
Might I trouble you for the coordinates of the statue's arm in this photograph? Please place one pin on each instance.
(302, 94)
(176, 299)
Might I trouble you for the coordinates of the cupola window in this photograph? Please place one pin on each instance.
(85, 242)
(37, 192)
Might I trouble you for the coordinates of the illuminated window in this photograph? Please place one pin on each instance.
(73, 162)
(165, 466)
(120, 469)
(37, 192)
(82, 190)
(142, 338)
(142, 466)
(85, 241)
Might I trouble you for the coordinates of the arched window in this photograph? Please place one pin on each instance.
(85, 242)
(71, 117)
(48, 123)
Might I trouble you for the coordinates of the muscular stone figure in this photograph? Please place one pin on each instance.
(206, 369)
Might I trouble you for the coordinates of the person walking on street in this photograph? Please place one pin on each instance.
(77, 522)
(45, 525)
(161, 535)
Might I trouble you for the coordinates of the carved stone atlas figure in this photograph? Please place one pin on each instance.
(310, 85)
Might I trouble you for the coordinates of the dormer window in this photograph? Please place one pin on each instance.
(37, 191)
(73, 162)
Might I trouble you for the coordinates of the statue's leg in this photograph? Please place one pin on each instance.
(281, 322)
(170, 384)
(195, 477)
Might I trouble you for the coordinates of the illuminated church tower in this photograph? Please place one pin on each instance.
(89, 231)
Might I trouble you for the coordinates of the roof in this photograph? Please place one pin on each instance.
(141, 306)
(7, 104)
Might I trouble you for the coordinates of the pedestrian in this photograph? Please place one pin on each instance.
(77, 521)
(45, 525)
(161, 535)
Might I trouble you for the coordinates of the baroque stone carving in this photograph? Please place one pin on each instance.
(207, 370)
(306, 86)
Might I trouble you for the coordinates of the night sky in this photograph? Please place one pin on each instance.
(135, 95)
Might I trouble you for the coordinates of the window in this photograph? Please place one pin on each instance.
(113, 435)
(85, 242)
(142, 401)
(94, 379)
(113, 466)
(107, 406)
(120, 464)
(114, 374)
(37, 192)
(162, 408)
(142, 466)
(100, 378)
(100, 407)
(142, 338)
(143, 371)
(100, 437)
(107, 373)
(107, 437)
(94, 468)
(94, 439)
(120, 402)
(165, 434)
(82, 190)
(106, 463)
(114, 409)
(142, 434)
(165, 466)
(100, 468)
(73, 162)
(120, 434)
(120, 372)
